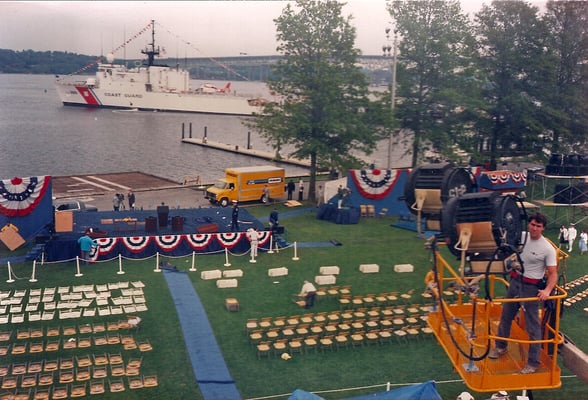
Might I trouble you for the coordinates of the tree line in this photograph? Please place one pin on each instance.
(510, 81)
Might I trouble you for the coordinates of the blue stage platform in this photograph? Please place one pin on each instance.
(138, 234)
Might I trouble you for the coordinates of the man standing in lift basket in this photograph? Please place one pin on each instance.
(538, 258)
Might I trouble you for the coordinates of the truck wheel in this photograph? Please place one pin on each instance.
(224, 202)
(263, 199)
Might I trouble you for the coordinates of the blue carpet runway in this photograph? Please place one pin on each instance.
(213, 377)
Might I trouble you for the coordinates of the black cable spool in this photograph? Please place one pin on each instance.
(449, 180)
(502, 212)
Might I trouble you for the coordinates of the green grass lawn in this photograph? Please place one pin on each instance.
(371, 241)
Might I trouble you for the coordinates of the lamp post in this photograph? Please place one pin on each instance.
(386, 49)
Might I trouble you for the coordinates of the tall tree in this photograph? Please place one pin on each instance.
(325, 113)
(513, 60)
(436, 53)
(564, 101)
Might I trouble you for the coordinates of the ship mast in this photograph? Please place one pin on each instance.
(151, 52)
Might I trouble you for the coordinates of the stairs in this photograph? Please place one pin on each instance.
(35, 252)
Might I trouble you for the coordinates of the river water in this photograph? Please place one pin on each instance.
(39, 136)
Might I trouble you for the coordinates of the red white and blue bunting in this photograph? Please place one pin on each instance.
(199, 241)
(133, 246)
(374, 184)
(20, 196)
(229, 239)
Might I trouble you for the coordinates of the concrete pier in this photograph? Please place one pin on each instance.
(266, 155)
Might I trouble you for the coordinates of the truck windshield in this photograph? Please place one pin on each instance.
(221, 185)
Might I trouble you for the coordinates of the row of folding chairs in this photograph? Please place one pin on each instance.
(341, 340)
(71, 330)
(337, 327)
(576, 300)
(332, 291)
(577, 285)
(267, 323)
(36, 347)
(81, 389)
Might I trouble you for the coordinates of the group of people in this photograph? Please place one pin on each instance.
(291, 186)
(568, 235)
(118, 201)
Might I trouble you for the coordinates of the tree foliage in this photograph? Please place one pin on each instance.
(512, 58)
(565, 111)
(325, 113)
(435, 66)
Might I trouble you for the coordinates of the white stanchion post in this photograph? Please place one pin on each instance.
(120, 270)
(33, 279)
(227, 263)
(10, 278)
(277, 247)
(193, 267)
(387, 386)
(271, 248)
(79, 273)
(157, 269)
(295, 258)
(43, 257)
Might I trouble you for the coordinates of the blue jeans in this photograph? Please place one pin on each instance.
(531, 308)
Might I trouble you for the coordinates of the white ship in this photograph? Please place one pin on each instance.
(151, 87)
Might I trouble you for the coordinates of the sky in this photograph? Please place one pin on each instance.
(183, 28)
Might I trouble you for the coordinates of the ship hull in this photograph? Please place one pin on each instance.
(133, 98)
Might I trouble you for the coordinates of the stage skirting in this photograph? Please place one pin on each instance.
(139, 243)
(145, 246)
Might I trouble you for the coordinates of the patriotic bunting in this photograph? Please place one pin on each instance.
(374, 184)
(20, 196)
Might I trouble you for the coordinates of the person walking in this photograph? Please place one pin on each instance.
(235, 217)
(87, 245)
(538, 258)
(274, 219)
(320, 196)
(116, 202)
(131, 198)
(563, 236)
(253, 237)
(300, 190)
(572, 233)
(583, 242)
(266, 195)
(290, 188)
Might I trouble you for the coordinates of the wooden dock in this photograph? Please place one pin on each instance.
(245, 151)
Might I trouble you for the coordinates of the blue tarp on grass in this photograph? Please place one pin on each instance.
(421, 391)
(213, 377)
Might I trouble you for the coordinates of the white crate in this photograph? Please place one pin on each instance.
(281, 271)
(325, 279)
(233, 273)
(329, 270)
(404, 268)
(212, 274)
(226, 283)
(369, 268)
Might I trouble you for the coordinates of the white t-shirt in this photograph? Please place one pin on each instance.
(537, 255)
(307, 287)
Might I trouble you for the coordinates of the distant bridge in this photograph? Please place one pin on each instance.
(258, 68)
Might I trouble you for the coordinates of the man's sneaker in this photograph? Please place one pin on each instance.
(497, 352)
(529, 369)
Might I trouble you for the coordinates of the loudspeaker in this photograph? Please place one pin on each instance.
(437, 182)
(576, 194)
(492, 217)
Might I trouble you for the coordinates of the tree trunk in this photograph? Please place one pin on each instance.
(312, 182)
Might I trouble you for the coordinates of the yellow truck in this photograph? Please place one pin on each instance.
(248, 184)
